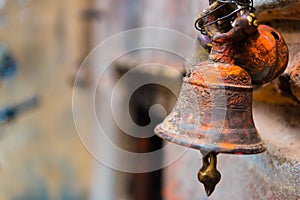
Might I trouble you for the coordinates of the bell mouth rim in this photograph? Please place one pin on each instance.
(238, 149)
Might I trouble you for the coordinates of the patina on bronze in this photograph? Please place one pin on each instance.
(214, 109)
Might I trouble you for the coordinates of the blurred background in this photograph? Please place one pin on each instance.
(43, 43)
(41, 156)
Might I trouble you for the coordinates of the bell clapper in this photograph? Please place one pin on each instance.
(208, 174)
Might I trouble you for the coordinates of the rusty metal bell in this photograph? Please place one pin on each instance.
(214, 111)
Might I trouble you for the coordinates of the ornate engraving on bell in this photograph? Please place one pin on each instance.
(214, 111)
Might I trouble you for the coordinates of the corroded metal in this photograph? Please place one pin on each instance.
(259, 49)
(264, 54)
(214, 109)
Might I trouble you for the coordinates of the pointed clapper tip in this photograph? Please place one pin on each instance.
(208, 175)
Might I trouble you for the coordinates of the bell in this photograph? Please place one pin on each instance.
(213, 114)
(214, 111)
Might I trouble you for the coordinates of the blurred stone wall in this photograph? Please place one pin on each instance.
(41, 156)
(119, 16)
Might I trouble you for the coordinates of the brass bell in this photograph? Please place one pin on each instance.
(214, 110)
(213, 114)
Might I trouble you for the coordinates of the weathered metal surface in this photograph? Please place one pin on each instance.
(259, 49)
(216, 97)
(214, 109)
(264, 54)
(214, 112)
(271, 175)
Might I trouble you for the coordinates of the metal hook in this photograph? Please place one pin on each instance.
(229, 17)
